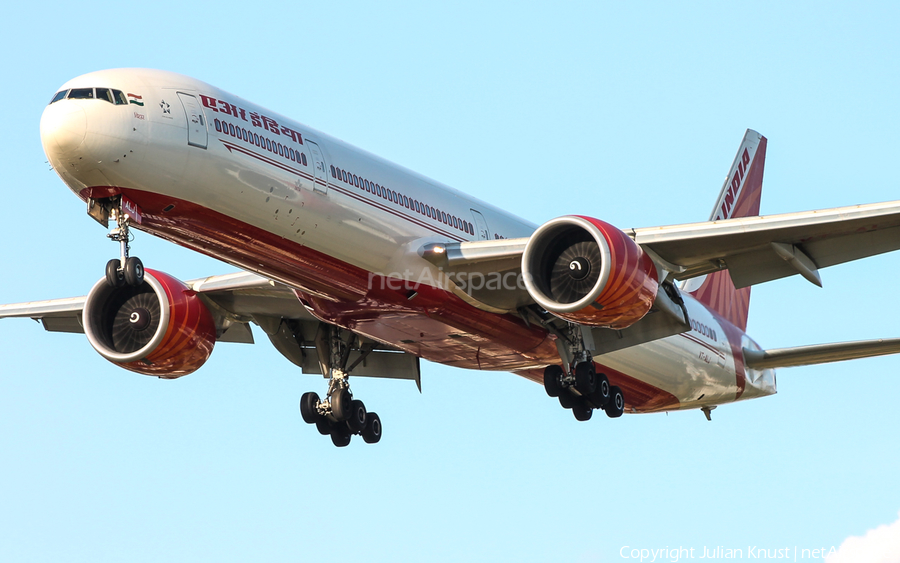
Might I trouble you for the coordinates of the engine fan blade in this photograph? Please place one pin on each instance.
(135, 322)
(575, 271)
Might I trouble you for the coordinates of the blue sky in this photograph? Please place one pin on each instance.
(628, 113)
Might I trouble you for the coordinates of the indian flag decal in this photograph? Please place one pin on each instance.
(135, 99)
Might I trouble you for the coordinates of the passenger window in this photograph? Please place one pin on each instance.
(59, 96)
(81, 94)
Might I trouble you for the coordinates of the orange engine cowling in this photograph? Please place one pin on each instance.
(159, 328)
(586, 271)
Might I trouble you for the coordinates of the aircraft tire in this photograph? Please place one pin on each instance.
(600, 396)
(551, 380)
(358, 418)
(372, 432)
(582, 412)
(585, 378)
(568, 400)
(340, 404)
(616, 405)
(308, 403)
(324, 426)
(134, 271)
(340, 437)
(113, 277)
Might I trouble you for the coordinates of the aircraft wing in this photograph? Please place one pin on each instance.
(753, 249)
(236, 301)
(765, 248)
(819, 353)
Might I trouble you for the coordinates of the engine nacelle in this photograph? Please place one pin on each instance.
(586, 271)
(159, 328)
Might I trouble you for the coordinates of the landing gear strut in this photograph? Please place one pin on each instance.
(125, 270)
(579, 387)
(339, 414)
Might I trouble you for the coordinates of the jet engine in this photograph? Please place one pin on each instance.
(586, 271)
(160, 327)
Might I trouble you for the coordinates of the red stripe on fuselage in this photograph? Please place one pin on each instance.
(349, 296)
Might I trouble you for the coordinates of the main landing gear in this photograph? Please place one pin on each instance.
(580, 388)
(583, 390)
(125, 270)
(339, 415)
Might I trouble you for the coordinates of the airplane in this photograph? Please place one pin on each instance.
(352, 265)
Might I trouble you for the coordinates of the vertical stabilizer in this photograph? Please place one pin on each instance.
(740, 197)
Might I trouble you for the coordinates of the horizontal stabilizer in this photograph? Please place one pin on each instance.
(819, 353)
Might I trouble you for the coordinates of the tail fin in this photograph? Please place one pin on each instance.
(740, 197)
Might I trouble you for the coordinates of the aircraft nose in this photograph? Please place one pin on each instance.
(63, 127)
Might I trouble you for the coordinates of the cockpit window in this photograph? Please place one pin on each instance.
(104, 94)
(59, 95)
(81, 94)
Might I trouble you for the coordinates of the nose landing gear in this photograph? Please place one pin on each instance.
(125, 270)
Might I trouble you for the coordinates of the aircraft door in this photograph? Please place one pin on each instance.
(320, 184)
(481, 227)
(198, 136)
